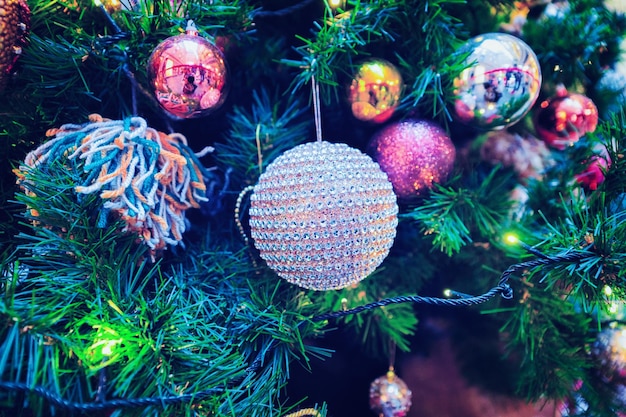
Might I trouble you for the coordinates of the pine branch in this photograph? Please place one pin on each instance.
(92, 294)
(552, 337)
(452, 215)
(259, 134)
(577, 55)
(335, 41)
(576, 220)
(374, 328)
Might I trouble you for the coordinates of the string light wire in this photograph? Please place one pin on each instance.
(502, 288)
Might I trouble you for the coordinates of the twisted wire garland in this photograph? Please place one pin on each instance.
(503, 288)
(60, 402)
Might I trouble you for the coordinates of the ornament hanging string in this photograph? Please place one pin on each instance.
(392, 354)
(503, 288)
(317, 113)
(117, 35)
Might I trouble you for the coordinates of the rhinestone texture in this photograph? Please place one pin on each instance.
(323, 215)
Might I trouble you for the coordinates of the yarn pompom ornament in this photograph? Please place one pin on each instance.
(500, 84)
(323, 215)
(563, 119)
(189, 75)
(390, 396)
(375, 91)
(145, 177)
(415, 154)
(14, 27)
(526, 155)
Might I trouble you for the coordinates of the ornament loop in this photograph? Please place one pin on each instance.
(507, 291)
(191, 28)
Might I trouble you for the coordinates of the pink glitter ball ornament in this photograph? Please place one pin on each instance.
(415, 154)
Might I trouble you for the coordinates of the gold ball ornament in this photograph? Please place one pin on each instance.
(323, 216)
(375, 91)
(500, 83)
(390, 396)
(189, 75)
(14, 26)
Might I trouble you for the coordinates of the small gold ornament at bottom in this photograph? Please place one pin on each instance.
(390, 396)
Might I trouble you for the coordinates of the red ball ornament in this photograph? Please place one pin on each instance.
(189, 75)
(593, 175)
(563, 119)
(415, 154)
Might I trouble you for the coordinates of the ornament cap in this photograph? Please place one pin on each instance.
(561, 91)
(191, 29)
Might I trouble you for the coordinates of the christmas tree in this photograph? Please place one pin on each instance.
(256, 208)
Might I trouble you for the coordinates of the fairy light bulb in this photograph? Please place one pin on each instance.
(511, 238)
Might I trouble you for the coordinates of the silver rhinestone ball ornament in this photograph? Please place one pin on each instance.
(323, 215)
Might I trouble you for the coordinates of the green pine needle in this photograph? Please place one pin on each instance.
(454, 215)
